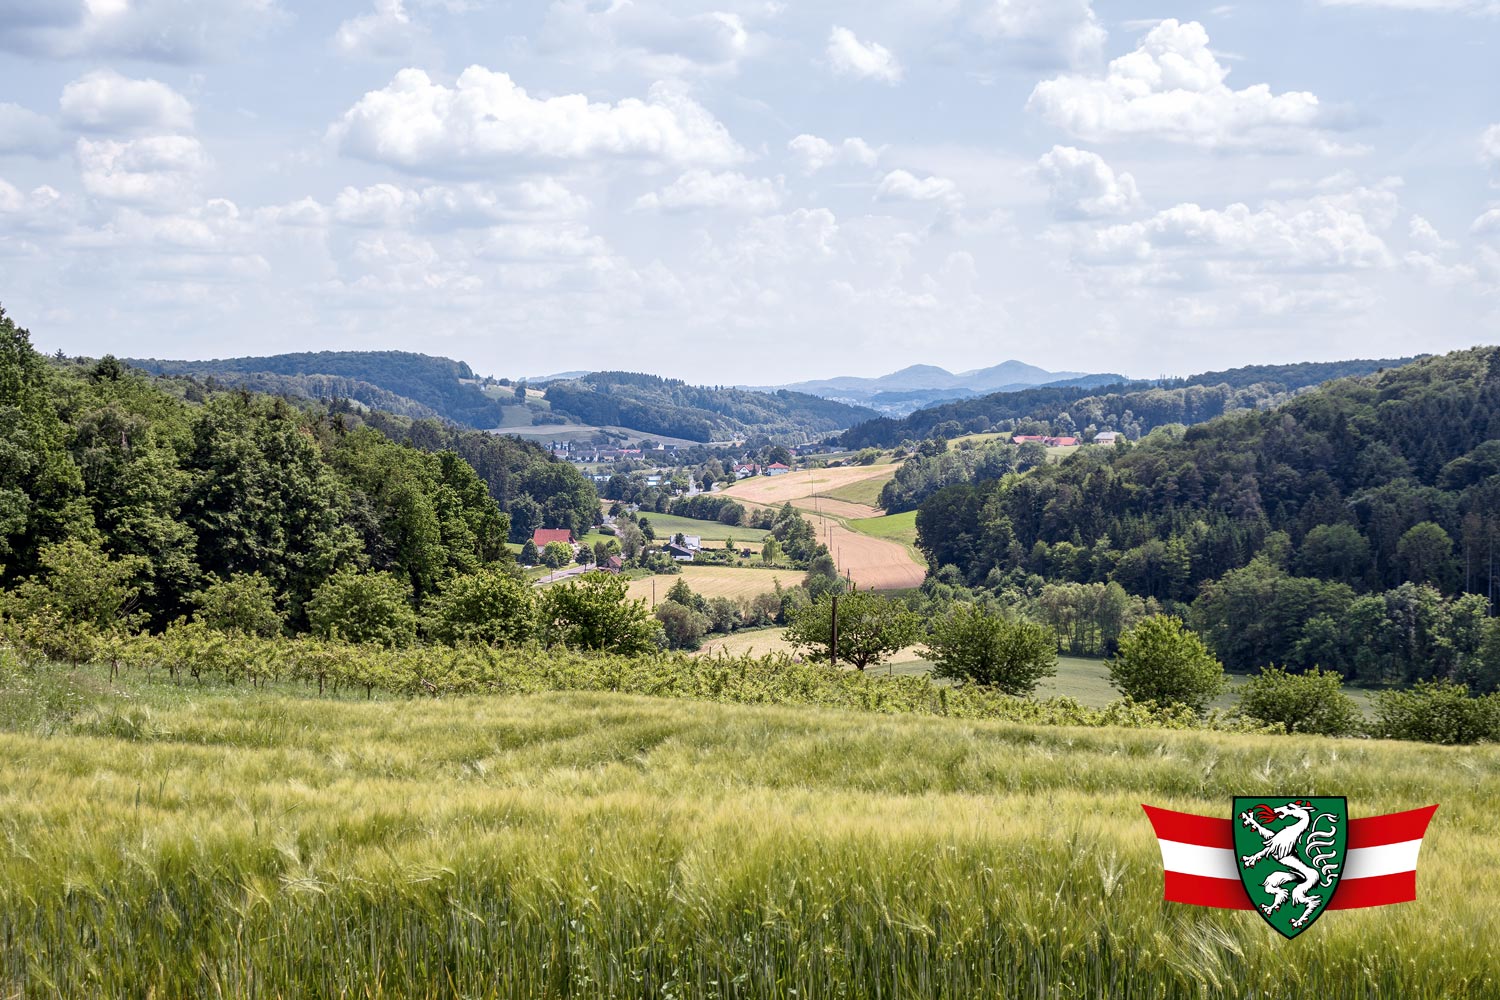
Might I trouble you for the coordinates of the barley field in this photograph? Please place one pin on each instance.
(182, 841)
(718, 581)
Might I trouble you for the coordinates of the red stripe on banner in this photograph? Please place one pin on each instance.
(1371, 831)
(1199, 890)
(1378, 890)
(1185, 828)
(1382, 890)
(1395, 828)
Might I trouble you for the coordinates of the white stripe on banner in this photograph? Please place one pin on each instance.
(1367, 862)
(1194, 859)
(1216, 862)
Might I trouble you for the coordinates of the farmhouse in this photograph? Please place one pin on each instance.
(777, 469)
(542, 536)
(745, 470)
(1108, 437)
(679, 552)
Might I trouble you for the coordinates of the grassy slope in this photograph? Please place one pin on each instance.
(892, 527)
(866, 491)
(203, 842)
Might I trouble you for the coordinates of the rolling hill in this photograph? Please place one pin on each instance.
(413, 385)
(1134, 408)
(698, 413)
(918, 386)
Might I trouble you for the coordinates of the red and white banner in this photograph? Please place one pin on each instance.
(1380, 867)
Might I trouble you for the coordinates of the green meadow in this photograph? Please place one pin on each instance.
(174, 840)
(667, 525)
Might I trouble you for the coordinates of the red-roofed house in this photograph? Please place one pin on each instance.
(545, 535)
(778, 469)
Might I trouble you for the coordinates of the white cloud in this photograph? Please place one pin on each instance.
(1192, 245)
(443, 208)
(173, 31)
(1066, 30)
(386, 31)
(814, 153)
(304, 213)
(1489, 146)
(1487, 224)
(36, 209)
(421, 126)
(153, 172)
(704, 189)
(1424, 236)
(106, 102)
(1426, 260)
(541, 243)
(1432, 269)
(24, 131)
(1082, 186)
(902, 185)
(649, 37)
(865, 60)
(1172, 88)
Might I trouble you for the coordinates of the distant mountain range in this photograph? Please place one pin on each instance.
(919, 386)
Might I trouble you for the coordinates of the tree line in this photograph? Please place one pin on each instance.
(169, 489)
(1357, 526)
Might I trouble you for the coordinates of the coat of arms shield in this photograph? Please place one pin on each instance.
(1290, 855)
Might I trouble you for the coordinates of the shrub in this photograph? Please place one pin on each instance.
(593, 613)
(245, 603)
(1161, 661)
(870, 627)
(970, 646)
(1437, 712)
(723, 615)
(490, 607)
(364, 607)
(1311, 702)
(683, 626)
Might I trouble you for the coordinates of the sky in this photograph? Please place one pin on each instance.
(753, 192)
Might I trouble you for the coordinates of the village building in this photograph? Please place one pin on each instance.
(542, 536)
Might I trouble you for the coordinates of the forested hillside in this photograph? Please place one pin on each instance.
(414, 385)
(674, 408)
(108, 476)
(1343, 528)
(1134, 409)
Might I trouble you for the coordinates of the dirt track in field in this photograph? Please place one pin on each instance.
(836, 508)
(872, 563)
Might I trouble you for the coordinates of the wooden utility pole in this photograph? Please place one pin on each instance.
(833, 635)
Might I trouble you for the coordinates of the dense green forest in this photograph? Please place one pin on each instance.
(675, 409)
(1134, 409)
(414, 385)
(172, 489)
(1356, 526)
